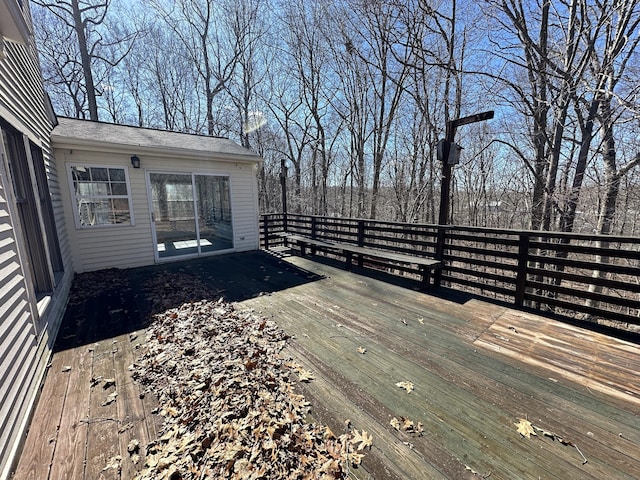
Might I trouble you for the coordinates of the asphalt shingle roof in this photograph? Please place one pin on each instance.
(71, 130)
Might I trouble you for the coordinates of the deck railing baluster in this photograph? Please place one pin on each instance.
(523, 262)
(361, 233)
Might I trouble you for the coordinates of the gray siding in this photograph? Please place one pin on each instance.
(27, 328)
(17, 335)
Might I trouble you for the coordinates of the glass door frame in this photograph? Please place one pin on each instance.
(196, 207)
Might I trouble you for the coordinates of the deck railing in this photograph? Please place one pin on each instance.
(579, 276)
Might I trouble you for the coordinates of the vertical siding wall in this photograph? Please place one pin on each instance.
(131, 246)
(24, 350)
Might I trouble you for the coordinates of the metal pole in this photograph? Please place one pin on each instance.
(283, 187)
(445, 186)
(445, 183)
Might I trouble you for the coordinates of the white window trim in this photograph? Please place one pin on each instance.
(74, 197)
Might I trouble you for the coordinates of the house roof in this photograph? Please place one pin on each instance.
(75, 133)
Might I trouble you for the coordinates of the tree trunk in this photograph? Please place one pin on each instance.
(85, 59)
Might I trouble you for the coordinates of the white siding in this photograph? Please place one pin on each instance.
(24, 352)
(17, 334)
(130, 246)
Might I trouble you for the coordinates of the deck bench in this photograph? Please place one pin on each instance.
(426, 265)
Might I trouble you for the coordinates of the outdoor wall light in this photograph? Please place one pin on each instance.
(135, 161)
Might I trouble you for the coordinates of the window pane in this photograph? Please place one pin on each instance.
(99, 174)
(99, 188)
(80, 173)
(27, 207)
(116, 174)
(120, 210)
(82, 188)
(93, 212)
(119, 188)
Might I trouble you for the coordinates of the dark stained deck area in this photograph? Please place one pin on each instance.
(477, 369)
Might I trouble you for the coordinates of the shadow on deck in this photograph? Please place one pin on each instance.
(477, 369)
(97, 312)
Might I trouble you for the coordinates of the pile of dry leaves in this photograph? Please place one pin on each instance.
(229, 407)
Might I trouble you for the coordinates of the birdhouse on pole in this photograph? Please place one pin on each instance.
(449, 152)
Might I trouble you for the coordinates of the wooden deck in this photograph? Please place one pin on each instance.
(477, 369)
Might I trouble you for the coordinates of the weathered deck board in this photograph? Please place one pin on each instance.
(69, 458)
(148, 401)
(132, 424)
(477, 368)
(102, 435)
(42, 442)
(589, 358)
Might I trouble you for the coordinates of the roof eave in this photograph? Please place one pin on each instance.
(66, 142)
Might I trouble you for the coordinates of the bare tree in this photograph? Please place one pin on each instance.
(247, 29)
(96, 48)
(308, 58)
(551, 61)
(612, 37)
(205, 30)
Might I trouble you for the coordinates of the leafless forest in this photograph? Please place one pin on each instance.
(353, 95)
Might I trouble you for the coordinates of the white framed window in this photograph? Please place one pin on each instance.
(101, 195)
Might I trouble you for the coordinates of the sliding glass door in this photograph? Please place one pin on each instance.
(214, 213)
(191, 214)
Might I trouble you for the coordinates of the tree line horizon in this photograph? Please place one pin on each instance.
(354, 96)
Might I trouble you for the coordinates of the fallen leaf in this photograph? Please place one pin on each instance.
(395, 423)
(362, 350)
(134, 446)
(170, 412)
(114, 463)
(525, 428)
(407, 424)
(110, 399)
(408, 386)
(125, 427)
(553, 436)
(305, 376)
(362, 439)
(66, 368)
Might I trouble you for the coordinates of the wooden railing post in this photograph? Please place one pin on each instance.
(284, 222)
(265, 220)
(440, 242)
(523, 261)
(361, 233)
(313, 227)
